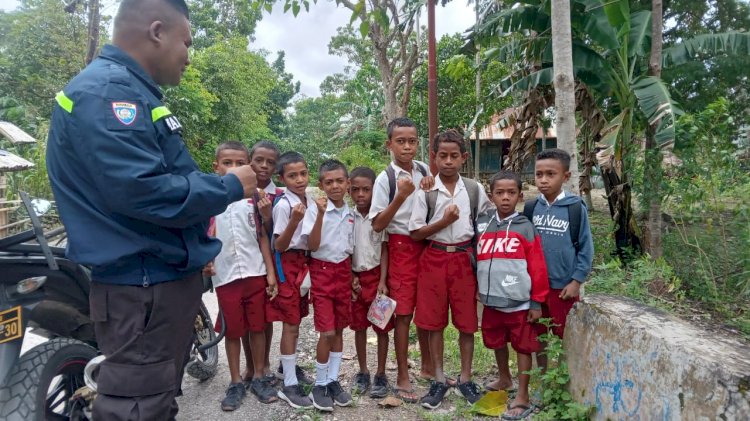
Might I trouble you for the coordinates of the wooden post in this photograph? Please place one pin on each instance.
(432, 99)
(3, 207)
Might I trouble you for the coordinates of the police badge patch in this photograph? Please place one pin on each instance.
(125, 112)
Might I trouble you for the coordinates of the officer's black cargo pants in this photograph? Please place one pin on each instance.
(145, 333)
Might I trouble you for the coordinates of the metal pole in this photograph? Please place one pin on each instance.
(432, 106)
(478, 93)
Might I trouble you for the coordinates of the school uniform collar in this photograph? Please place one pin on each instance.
(344, 210)
(398, 170)
(270, 188)
(559, 197)
(113, 53)
(293, 198)
(364, 216)
(441, 187)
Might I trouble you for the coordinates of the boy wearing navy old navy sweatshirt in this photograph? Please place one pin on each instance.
(512, 284)
(562, 221)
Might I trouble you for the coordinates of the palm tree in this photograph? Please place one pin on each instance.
(610, 49)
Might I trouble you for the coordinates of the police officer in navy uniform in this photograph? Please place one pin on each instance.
(136, 207)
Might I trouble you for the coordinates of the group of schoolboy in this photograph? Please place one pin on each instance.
(431, 244)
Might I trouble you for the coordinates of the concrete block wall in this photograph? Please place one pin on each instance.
(634, 362)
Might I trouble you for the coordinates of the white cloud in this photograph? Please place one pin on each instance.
(305, 38)
(8, 5)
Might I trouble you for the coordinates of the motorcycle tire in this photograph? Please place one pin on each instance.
(203, 365)
(41, 383)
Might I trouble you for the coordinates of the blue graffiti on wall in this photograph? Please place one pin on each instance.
(620, 388)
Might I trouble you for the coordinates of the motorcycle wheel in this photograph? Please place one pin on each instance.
(43, 380)
(203, 365)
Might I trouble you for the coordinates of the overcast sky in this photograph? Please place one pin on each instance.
(305, 38)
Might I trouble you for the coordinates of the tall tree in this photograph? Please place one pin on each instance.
(214, 20)
(653, 170)
(565, 107)
(280, 97)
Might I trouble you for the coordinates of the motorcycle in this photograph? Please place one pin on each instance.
(41, 289)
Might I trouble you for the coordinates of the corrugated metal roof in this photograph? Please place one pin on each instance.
(493, 130)
(10, 162)
(14, 134)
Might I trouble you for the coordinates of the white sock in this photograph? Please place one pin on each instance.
(334, 363)
(289, 365)
(321, 374)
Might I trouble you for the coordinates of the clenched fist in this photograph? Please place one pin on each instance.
(298, 213)
(451, 214)
(405, 187)
(322, 203)
(246, 175)
(265, 207)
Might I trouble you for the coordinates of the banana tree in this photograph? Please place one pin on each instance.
(611, 45)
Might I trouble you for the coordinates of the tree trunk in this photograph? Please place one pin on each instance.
(93, 32)
(562, 58)
(653, 171)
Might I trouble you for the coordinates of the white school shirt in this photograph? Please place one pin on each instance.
(400, 222)
(281, 213)
(240, 255)
(462, 229)
(336, 234)
(367, 243)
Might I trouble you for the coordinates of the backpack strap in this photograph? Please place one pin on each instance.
(431, 197)
(390, 173)
(256, 214)
(574, 217)
(528, 209)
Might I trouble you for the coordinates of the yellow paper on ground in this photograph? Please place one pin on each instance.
(491, 404)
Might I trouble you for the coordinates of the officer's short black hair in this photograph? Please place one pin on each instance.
(287, 158)
(505, 175)
(556, 154)
(449, 136)
(363, 172)
(130, 8)
(265, 144)
(232, 145)
(331, 165)
(399, 122)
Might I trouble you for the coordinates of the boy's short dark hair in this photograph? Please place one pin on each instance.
(399, 122)
(449, 136)
(556, 154)
(265, 144)
(505, 175)
(287, 158)
(331, 165)
(233, 145)
(363, 172)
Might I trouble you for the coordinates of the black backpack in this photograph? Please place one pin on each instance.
(574, 217)
(391, 174)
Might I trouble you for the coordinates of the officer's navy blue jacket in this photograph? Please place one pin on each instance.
(133, 201)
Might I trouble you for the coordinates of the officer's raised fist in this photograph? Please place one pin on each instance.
(247, 178)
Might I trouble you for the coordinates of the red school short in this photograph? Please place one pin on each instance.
(558, 310)
(499, 329)
(403, 268)
(368, 281)
(243, 303)
(331, 292)
(288, 306)
(446, 280)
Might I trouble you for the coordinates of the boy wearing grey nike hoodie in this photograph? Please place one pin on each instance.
(512, 284)
(568, 254)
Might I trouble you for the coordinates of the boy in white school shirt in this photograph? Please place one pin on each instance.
(330, 234)
(392, 201)
(446, 216)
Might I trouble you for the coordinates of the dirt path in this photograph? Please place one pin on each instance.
(201, 401)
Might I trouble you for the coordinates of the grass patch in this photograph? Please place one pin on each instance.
(483, 361)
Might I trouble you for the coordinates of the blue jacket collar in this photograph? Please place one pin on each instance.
(116, 54)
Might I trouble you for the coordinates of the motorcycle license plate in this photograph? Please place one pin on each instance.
(10, 324)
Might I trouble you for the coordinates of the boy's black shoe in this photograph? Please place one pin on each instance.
(339, 395)
(361, 383)
(295, 397)
(263, 390)
(233, 399)
(379, 387)
(301, 375)
(469, 390)
(434, 397)
(321, 398)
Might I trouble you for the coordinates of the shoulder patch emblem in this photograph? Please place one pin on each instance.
(126, 112)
